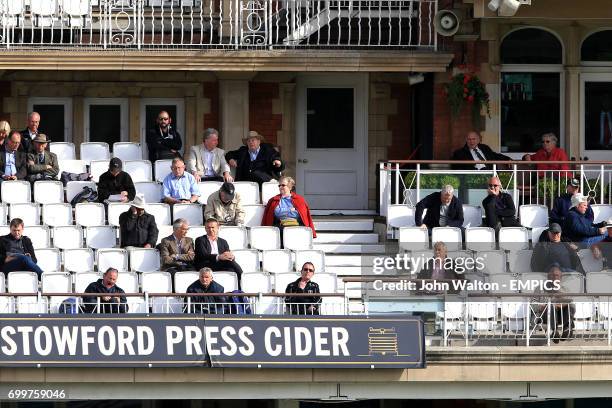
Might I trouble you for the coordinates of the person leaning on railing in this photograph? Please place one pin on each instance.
(114, 302)
(205, 304)
(550, 153)
(304, 305)
(578, 227)
(563, 203)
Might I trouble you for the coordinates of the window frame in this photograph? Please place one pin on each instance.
(124, 116)
(65, 102)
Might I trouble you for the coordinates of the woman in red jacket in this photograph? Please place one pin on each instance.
(288, 209)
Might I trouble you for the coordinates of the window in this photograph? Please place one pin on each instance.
(531, 46)
(106, 120)
(597, 47)
(55, 117)
(329, 123)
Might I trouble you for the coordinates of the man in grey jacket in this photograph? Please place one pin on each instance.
(206, 161)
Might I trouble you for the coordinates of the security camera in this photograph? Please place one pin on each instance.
(493, 5)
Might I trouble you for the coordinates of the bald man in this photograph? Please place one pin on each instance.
(499, 207)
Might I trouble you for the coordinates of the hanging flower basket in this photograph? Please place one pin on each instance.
(467, 89)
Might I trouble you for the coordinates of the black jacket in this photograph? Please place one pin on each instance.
(263, 162)
(203, 257)
(544, 255)
(26, 243)
(90, 303)
(305, 301)
(27, 146)
(494, 214)
(433, 202)
(160, 146)
(137, 231)
(21, 161)
(204, 303)
(465, 154)
(110, 185)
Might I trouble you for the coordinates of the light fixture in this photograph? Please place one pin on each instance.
(493, 5)
(508, 8)
(414, 79)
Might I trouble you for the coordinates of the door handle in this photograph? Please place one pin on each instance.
(299, 160)
(305, 161)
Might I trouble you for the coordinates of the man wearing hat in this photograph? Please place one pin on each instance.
(603, 250)
(553, 250)
(137, 228)
(256, 161)
(225, 206)
(115, 184)
(563, 203)
(42, 164)
(577, 227)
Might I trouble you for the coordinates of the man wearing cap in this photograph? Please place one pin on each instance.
(551, 249)
(137, 228)
(257, 161)
(116, 185)
(164, 141)
(206, 161)
(42, 164)
(603, 250)
(563, 203)
(578, 227)
(179, 186)
(225, 206)
(13, 162)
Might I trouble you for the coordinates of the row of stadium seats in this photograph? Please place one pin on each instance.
(97, 151)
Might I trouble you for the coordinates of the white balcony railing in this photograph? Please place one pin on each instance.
(232, 24)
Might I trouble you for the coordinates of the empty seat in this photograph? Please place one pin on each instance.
(67, 237)
(82, 280)
(75, 187)
(277, 261)
(264, 238)
(161, 212)
(513, 238)
(193, 213)
(317, 258)
(206, 189)
(144, 259)
(601, 212)
(253, 214)
(48, 192)
(127, 151)
(128, 281)
(268, 190)
(281, 280)
(328, 283)
(167, 230)
(114, 210)
(472, 216)
(249, 192)
(63, 150)
(229, 280)
(78, 260)
(533, 215)
(573, 282)
(248, 259)
(493, 262)
(257, 282)
(72, 166)
(151, 190)
(28, 212)
(55, 215)
(520, 261)
(413, 238)
(182, 280)
(15, 191)
(162, 169)
(451, 236)
(156, 282)
(195, 231)
(40, 236)
(49, 259)
(599, 282)
(94, 151)
(398, 216)
(479, 238)
(465, 263)
(3, 214)
(97, 168)
(588, 261)
(297, 238)
(112, 258)
(139, 170)
(25, 282)
(236, 237)
(90, 214)
(56, 282)
(101, 237)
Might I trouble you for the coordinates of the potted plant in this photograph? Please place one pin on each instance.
(467, 88)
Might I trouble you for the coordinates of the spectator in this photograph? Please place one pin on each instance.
(578, 227)
(176, 250)
(164, 141)
(257, 161)
(17, 252)
(603, 250)
(207, 161)
(42, 164)
(562, 313)
(30, 132)
(550, 153)
(116, 185)
(214, 252)
(206, 303)
(114, 302)
(180, 186)
(304, 305)
(440, 267)
(225, 206)
(5, 130)
(13, 162)
(563, 203)
(474, 150)
(137, 228)
(552, 250)
(288, 209)
(443, 210)
(499, 207)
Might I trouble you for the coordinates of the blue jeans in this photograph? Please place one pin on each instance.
(22, 263)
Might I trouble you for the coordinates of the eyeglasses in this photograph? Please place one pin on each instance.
(307, 270)
(282, 185)
(546, 141)
(163, 118)
(493, 185)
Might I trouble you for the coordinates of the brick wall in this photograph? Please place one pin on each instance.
(211, 92)
(261, 116)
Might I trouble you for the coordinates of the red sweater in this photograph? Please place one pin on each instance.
(300, 206)
(556, 155)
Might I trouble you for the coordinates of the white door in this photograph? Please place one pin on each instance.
(150, 108)
(332, 141)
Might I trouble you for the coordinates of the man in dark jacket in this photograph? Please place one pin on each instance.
(443, 210)
(474, 150)
(499, 207)
(13, 162)
(164, 141)
(552, 250)
(136, 227)
(17, 252)
(205, 303)
(563, 203)
(256, 161)
(42, 164)
(578, 227)
(304, 305)
(603, 250)
(113, 303)
(214, 252)
(116, 185)
(29, 133)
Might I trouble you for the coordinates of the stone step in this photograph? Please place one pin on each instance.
(343, 212)
(350, 248)
(352, 224)
(346, 238)
(349, 260)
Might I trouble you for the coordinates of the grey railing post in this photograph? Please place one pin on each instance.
(418, 182)
(515, 187)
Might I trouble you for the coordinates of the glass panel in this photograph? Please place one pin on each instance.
(531, 46)
(329, 123)
(530, 107)
(598, 115)
(52, 121)
(597, 47)
(105, 123)
(153, 111)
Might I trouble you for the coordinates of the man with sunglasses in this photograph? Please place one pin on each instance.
(499, 207)
(164, 141)
(304, 305)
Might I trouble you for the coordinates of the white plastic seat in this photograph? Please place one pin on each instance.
(451, 236)
(297, 238)
(76, 12)
(601, 212)
(127, 151)
(588, 261)
(513, 238)
(75, 187)
(464, 263)
(40, 236)
(156, 282)
(531, 276)
(253, 215)
(97, 237)
(206, 189)
(277, 261)
(55, 215)
(7, 304)
(97, 168)
(90, 214)
(536, 233)
(193, 213)
(472, 216)
(28, 212)
(114, 210)
(162, 169)
(112, 258)
(236, 237)
(257, 282)
(128, 281)
(25, 282)
(68, 237)
(573, 282)
(479, 238)
(599, 282)
(183, 279)
(63, 150)
(268, 190)
(139, 170)
(44, 12)
(494, 262)
(281, 280)
(161, 212)
(56, 282)
(229, 280)
(533, 215)
(195, 231)
(78, 260)
(413, 238)
(248, 259)
(151, 190)
(3, 214)
(328, 283)
(399, 216)
(520, 261)
(15, 191)
(317, 258)
(167, 230)
(49, 259)
(48, 192)
(82, 280)
(94, 151)
(72, 166)
(249, 192)
(144, 259)
(264, 238)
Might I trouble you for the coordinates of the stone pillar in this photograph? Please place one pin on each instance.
(134, 119)
(78, 126)
(287, 136)
(234, 111)
(572, 112)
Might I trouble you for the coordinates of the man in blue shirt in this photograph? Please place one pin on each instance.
(13, 162)
(180, 186)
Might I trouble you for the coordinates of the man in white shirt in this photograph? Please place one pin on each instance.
(206, 161)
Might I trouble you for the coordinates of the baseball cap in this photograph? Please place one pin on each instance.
(573, 182)
(554, 228)
(115, 163)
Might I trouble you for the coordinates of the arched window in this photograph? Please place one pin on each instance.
(531, 46)
(597, 47)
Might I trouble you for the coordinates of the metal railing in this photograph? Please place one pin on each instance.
(233, 24)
